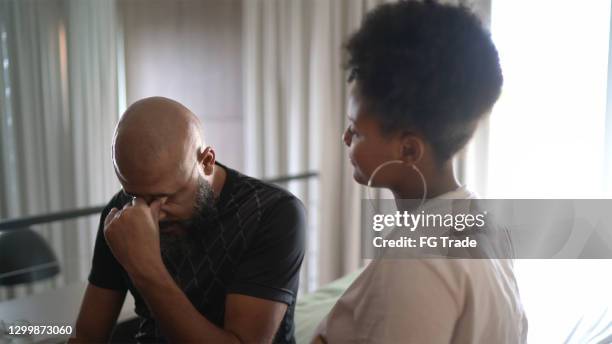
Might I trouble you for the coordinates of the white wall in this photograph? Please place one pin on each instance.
(190, 51)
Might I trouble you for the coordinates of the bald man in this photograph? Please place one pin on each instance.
(210, 255)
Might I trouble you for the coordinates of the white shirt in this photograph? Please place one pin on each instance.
(429, 301)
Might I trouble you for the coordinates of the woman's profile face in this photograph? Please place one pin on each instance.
(367, 147)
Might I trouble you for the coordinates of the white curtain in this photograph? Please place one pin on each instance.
(94, 96)
(58, 108)
(295, 112)
(294, 106)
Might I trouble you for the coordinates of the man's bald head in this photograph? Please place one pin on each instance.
(158, 135)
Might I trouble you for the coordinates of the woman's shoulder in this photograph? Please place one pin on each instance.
(456, 275)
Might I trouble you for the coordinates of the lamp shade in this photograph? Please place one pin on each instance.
(25, 257)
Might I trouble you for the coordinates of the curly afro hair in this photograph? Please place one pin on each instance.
(427, 67)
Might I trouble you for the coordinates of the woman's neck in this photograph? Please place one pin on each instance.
(439, 181)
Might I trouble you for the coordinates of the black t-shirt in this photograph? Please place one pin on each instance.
(253, 245)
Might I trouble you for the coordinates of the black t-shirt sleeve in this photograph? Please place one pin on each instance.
(270, 267)
(106, 272)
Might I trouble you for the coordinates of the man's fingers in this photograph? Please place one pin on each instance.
(156, 207)
(110, 216)
(139, 202)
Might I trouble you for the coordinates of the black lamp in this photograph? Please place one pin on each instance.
(25, 257)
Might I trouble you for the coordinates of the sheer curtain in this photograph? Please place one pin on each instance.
(294, 109)
(58, 108)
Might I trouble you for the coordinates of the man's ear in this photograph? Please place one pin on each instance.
(206, 157)
(412, 147)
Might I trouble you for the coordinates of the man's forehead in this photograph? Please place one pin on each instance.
(154, 181)
(143, 189)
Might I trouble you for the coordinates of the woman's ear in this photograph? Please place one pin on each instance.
(412, 148)
(206, 157)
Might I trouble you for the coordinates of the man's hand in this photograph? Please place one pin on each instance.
(132, 234)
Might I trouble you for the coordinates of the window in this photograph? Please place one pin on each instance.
(547, 132)
(547, 139)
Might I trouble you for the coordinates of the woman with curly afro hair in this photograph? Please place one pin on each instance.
(422, 76)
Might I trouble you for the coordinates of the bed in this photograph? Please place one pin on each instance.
(313, 307)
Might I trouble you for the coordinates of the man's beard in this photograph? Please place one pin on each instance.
(175, 247)
(203, 208)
